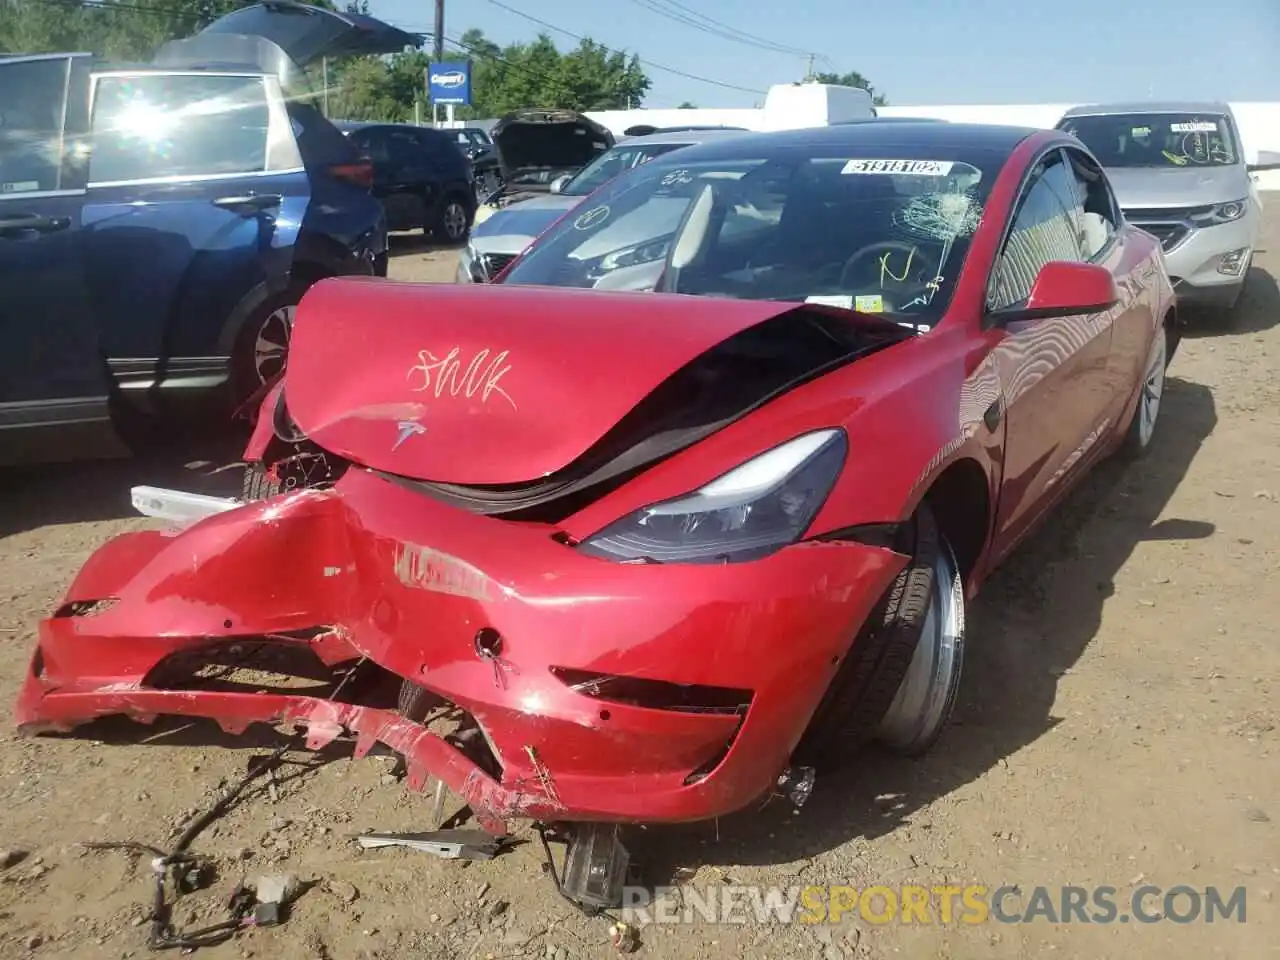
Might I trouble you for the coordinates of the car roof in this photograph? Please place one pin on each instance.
(681, 136)
(918, 136)
(350, 126)
(1147, 106)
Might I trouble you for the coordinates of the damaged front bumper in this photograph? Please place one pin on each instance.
(599, 691)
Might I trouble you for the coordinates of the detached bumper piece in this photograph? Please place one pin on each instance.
(555, 687)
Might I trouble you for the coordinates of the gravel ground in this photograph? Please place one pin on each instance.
(1117, 725)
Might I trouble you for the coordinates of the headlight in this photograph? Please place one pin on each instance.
(634, 256)
(465, 257)
(747, 513)
(1221, 213)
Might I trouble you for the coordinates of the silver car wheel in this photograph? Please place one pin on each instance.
(454, 221)
(1152, 389)
(272, 342)
(925, 699)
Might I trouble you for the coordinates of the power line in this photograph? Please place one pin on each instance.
(647, 63)
(160, 10)
(691, 18)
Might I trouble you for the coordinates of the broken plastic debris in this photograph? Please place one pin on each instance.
(624, 938)
(447, 844)
(276, 888)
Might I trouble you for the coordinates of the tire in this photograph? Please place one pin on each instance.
(868, 680)
(1137, 440)
(257, 484)
(454, 221)
(415, 702)
(262, 346)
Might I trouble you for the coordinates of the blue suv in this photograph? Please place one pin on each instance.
(159, 224)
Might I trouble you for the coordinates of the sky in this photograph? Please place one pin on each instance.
(914, 51)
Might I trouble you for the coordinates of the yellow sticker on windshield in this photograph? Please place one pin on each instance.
(873, 303)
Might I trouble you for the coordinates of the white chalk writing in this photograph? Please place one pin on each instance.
(447, 377)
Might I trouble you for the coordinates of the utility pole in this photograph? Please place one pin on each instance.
(809, 73)
(437, 55)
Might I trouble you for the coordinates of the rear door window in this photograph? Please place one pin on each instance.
(442, 152)
(42, 125)
(177, 126)
(405, 149)
(373, 145)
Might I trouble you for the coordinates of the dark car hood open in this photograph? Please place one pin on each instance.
(282, 37)
(483, 385)
(551, 142)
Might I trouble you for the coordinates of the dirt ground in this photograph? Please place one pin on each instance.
(1117, 726)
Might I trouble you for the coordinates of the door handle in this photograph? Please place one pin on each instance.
(249, 203)
(34, 222)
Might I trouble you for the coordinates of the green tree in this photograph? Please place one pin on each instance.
(532, 74)
(129, 30)
(537, 74)
(686, 105)
(852, 79)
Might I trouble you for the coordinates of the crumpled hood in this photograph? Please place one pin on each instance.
(484, 385)
(548, 142)
(1146, 188)
(510, 229)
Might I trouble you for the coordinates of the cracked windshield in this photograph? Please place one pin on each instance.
(878, 234)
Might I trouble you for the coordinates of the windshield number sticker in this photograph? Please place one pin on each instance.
(1199, 127)
(843, 301)
(871, 303)
(677, 177)
(592, 218)
(917, 168)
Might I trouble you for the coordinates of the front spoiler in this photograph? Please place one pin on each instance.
(342, 575)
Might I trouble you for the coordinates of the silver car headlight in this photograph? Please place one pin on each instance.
(1222, 213)
(634, 256)
(749, 512)
(465, 258)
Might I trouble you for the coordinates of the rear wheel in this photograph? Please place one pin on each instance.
(899, 680)
(454, 221)
(1142, 428)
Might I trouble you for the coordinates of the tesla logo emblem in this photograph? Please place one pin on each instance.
(408, 428)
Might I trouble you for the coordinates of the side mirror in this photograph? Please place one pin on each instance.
(1064, 288)
(560, 182)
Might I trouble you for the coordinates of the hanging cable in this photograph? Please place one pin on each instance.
(647, 63)
(691, 18)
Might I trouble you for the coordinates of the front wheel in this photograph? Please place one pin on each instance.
(898, 682)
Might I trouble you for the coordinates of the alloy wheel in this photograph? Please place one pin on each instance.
(272, 342)
(927, 695)
(1152, 389)
(454, 221)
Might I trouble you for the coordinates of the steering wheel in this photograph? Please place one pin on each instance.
(911, 255)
